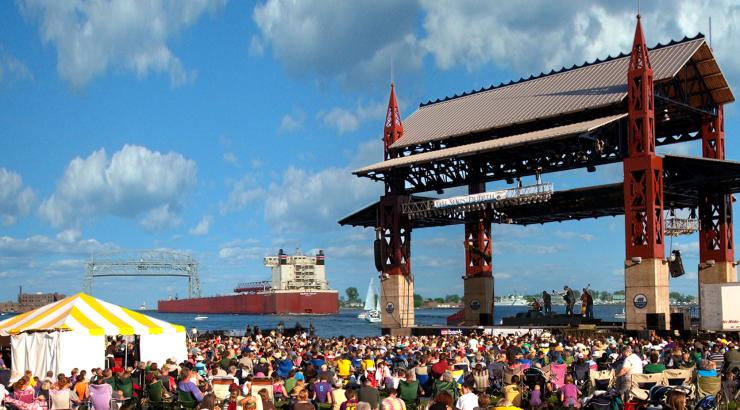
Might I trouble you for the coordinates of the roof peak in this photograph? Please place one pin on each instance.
(559, 71)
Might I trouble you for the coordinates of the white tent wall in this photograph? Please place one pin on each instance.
(38, 352)
(160, 347)
(58, 352)
(81, 351)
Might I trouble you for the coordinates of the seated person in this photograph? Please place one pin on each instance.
(654, 366)
(512, 393)
(186, 385)
(707, 368)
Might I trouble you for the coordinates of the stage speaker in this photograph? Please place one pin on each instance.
(675, 264)
(655, 321)
(486, 319)
(378, 248)
(680, 321)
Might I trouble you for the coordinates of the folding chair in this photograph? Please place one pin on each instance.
(221, 387)
(600, 380)
(640, 384)
(60, 399)
(509, 372)
(680, 377)
(708, 386)
(558, 375)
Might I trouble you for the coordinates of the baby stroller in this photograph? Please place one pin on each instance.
(607, 400)
(534, 376)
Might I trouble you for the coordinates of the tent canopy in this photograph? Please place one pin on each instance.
(85, 314)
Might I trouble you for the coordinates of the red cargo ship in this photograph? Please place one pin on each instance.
(298, 286)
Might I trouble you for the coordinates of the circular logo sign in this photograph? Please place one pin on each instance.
(640, 301)
(475, 304)
(390, 307)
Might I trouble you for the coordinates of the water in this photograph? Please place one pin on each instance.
(345, 323)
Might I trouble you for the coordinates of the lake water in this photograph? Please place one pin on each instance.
(345, 323)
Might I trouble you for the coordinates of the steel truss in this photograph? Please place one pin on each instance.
(143, 263)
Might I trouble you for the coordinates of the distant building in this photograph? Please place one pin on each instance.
(31, 301)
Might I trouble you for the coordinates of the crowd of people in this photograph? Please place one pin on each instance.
(303, 372)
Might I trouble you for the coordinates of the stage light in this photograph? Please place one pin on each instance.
(636, 260)
(591, 168)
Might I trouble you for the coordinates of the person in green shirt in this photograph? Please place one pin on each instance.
(654, 366)
(290, 382)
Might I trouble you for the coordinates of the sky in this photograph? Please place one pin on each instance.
(229, 129)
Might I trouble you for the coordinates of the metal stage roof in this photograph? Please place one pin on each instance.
(684, 176)
(602, 83)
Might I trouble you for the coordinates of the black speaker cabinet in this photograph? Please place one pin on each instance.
(675, 267)
(680, 321)
(655, 321)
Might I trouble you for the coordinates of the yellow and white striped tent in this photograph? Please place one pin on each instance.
(86, 314)
(72, 333)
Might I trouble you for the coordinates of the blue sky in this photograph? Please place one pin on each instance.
(230, 129)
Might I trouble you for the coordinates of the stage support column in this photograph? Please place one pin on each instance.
(478, 280)
(393, 239)
(646, 272)
(716, 247)
(396, 282)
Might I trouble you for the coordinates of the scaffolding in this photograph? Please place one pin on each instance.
(143, 263)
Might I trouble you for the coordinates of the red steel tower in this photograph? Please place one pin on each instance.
(646, 274)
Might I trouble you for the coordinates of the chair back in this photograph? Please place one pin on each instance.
(155, 391)
(708, 385)
(509, 372)
(558, 374)
(100, 396)
(186, 399)
(221, 387)
(59, 399)
(601, 380)
(640, 384)
(677, 377)
(126, 386)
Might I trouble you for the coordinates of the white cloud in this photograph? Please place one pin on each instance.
(352, 42)
(12, 69)
(161, 218)
(40, 245)
(244, 192)
(231, 158)
(349, 120)
(531, 36)
(203, 226)
(305, 200)
(93, 36)
(292, 122)
(256, 49)
(575, 235)
(15, 199)
(132, 182)
(241, 250)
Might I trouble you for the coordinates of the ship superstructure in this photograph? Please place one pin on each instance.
(298, 285)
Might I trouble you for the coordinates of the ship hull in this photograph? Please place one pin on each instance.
(274, 302)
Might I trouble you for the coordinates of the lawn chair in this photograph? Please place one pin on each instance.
(221, 387)
(185, 400)
(100, 396)
(708, 386)
(680, 377)
(509, 372)
(155, 393)
(640, 384)
(59, 399)
(558, 375)
(600, 381)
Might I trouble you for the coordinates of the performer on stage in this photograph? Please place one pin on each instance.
(547, 302)
(570, 299)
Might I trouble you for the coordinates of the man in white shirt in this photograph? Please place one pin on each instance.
(468, 401)
(632, 365)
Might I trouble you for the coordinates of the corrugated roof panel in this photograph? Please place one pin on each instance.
(592, 86)
(494, 144)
